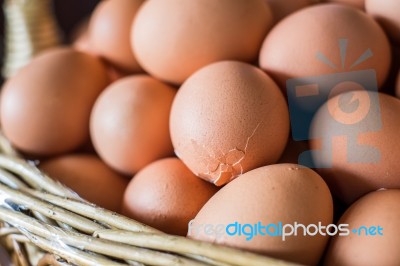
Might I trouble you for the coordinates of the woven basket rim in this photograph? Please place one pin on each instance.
(50, 217)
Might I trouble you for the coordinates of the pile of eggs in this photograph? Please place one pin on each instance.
(175, 112)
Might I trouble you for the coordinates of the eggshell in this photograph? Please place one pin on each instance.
(228, 118)
(45, 107)
(109, 32)
(360, 4)
(290, 49)
(173, 38)
(284, 193)
(281, 9)
(346, 161)
(166, 195)
(387, 14)
(88, 176)
(129, 123)
(380, 208)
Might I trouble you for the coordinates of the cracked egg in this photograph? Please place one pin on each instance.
(228, 118)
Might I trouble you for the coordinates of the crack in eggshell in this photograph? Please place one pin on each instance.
(222, 167)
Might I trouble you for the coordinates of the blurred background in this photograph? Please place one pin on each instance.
(68, 12)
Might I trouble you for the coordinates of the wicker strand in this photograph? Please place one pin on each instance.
(19, 257)
(183, 245)
(93, 212)
(34, 177)
(72, 255)
(46, 209)
(105, 247)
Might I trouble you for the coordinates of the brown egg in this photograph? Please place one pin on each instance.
(88, 176)
(166, 196)
(281, 9)
(129, 123)
(281, 193)
(45, 107)
(298, 47)
(375, 219)
(109, 31)
(228, 118)
(387, 14)
(360, 4)
(174, 38)
(353, 137)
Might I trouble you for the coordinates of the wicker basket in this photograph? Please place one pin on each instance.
(44, 223)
